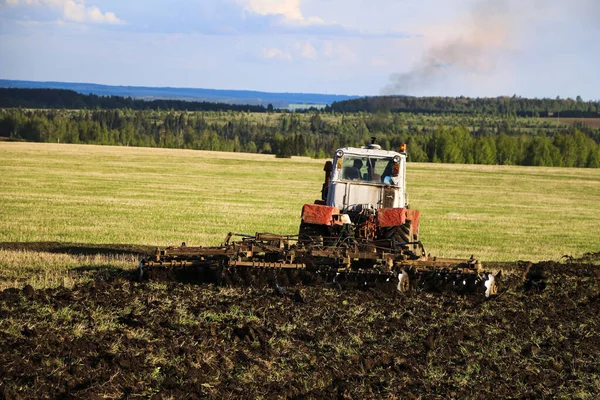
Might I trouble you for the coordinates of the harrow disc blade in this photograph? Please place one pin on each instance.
(403, 282)
(491, 286)
(459, 283)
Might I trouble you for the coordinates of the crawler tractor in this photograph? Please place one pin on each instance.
(362, 229)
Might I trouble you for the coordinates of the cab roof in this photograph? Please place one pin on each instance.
(370, 152)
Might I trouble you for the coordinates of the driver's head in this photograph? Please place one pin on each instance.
(357, 164)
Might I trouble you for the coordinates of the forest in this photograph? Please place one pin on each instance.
(502, 130)
(446, 138)
(498, 106)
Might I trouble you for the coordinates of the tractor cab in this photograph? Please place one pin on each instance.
(366, 178)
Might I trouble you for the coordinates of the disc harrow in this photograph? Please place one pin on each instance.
(283, 260)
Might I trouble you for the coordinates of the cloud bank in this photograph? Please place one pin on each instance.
(210, 17)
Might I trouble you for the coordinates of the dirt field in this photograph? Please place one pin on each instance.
(591, 122)
(115, 338)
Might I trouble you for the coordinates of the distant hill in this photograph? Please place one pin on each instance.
(278, 100)
(69, 99)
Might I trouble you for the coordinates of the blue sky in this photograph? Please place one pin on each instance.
(531, 48)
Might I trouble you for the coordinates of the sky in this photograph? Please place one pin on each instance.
(476, 48)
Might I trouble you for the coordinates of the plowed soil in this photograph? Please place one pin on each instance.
(161, 338)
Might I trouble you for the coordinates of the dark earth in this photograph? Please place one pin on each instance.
(161, 338)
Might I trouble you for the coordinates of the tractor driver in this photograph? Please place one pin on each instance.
(386, 177)
(354, 172)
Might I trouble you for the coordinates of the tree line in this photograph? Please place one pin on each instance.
(499, 106)
(502, 106)
(520, 141)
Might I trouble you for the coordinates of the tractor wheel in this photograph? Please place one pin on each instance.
(404, 234)
(399, 234)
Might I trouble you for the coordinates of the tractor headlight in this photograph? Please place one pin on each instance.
(396, 159)
(339, 153)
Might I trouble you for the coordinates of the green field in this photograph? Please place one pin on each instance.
(118, 195)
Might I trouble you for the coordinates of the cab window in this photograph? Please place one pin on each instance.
(366, 169)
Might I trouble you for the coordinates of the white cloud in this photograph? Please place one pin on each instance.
(339, 53)
(290, 9)
(307, 50)
(72, 10)
(274, 53)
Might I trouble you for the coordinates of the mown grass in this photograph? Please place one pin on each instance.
(42, 269)
(102, 195)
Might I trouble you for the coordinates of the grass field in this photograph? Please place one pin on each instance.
(108, 195)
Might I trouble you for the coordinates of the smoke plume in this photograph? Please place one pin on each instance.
(472, 44)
